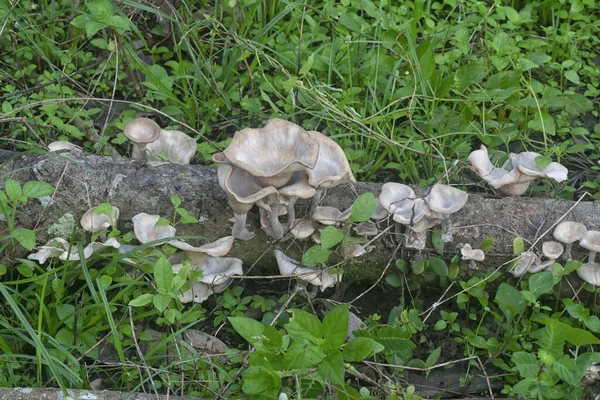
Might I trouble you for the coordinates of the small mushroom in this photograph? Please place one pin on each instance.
(197, 293)
(590, 273)
(301, 229)
(62, 145)
(53, 248)
(366, 229)
(525, 163)
(94, 247)
(569, 232)
(446, 200)
(220, 270)
(551, 250)
(470, 254)
(92, 221)
(179, 147)
(591, 242)
(501, 179)
(330, 215)
(141, 131)
(526, 260)
(354, 250)
(297, 188)
(316, 277)
(199, 255)
(145, 229)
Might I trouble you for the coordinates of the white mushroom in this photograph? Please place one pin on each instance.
(301, 229)
(525, 163)
(569, 232)
(591, 242)
(526, 260)
(470, 254)
(94, 247)
(330, 215)
(53, 248)
(179, 147)
(141, 131)
(446, 200)
(590, 273)
(145, 229)
(198, 255)
(316, 277)
(551, 250)
(505, 181)
(92, 221)
(62, 145)
(198, 293)
(354, 250)
(366, 229)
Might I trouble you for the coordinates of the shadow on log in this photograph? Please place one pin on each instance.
(83, 181)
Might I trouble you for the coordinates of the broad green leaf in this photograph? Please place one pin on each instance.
(304, 325)
(163, 275)
(527, 364)
(307, 65)
(66, 314)
(363, 207)
(186, 218)
(12, 189)
(433, 357)
(119, 22)
(258, 379)
(25, 237)
(302, 354)
(566, 369)
(142, 300)
(360, 348)
(419, 266)
(512, 14)
(542, 122)
(518, 245)
(510, 301)
(572, 76)
(104, 209)
(487, 244)
(176, 200)
(161, 301)
(37, 189)
(248, 328)
(552, 337)
(335, 326)
(438, 266)
(332, 368)
(162, 221)
(315, 255)
(331, 236)
(469, 74)
(401, 265)
(541, 283)
(579, 337)
(393, 280)
(438, 243)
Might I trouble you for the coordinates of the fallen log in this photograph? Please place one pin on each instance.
(134, 186)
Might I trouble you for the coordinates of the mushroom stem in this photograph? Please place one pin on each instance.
(592, 257)
(142, 150)
(276, 227)
(316, 200)
(472, 265)
(567, 254)
(291, 213)
(537, 267)
(398, 232)
(239, 230)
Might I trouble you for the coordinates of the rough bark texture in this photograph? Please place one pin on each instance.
(134, 186)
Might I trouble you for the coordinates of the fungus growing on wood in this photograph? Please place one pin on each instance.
(146, 230)
(305, 275)
(141, 131)
(200, 254)
(569, 232)
(591, 242)
(330, 215)
(92, 221)
(470, 254)
(366, 229)
(301, 229)
(62, 145)
(197, 293)
(178, 147)
(590, 273)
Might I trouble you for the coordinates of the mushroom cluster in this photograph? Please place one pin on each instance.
(316, 278)
(156, 144)
(274, 166)
(519, 171)
(529, 261)
(217, 271)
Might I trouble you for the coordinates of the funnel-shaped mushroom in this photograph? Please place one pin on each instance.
(505, 181)
(316, 277)
(141, 131)
(218, 271)
(145, 229)
(525, 163)
(590, 272)
(296, 188)
(332, 166)
(92, 221)
(179, 147)
(301, 229)
(53, 248)
(198, 293)
(569, 232)
(470, 254)
(551, 250)
(199, 255)
(591, 242)
(526, 260)
(330, 215)
(446, 200)
(273, 153)
(94, 247)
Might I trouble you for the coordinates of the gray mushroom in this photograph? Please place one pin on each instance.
(141, 131)
(569, 232)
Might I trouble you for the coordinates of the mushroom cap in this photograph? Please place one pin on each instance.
(90, 249)
(525, 162)
(53, 248)
(220, 270)
(354, 250)
(142, 130)
(275, 151)
(380, 212)
(552, 249)
(590, 273)
(393, 193)
(526, 260)
(469, 253)
(63, 145)
(94, 222)
(366, 228)
(505, 181)
(445, 199)
(180, 147)
(591, 241)
(241, 188)
(199, 254)
(298, 186)
(411, 211)
(198, 293)
(332, 167)
(302, 229)
(289, 266)
(145, 229)
(569, 232)
(329, 215)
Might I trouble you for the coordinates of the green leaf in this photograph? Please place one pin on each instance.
(438, 243)
(438, 266)
(393, 280)
(142, 300)
(37, 189)
(510, 301)
(307, 65)
(186, 218)
(527, 364)
(579, 337)
(487, 244)
(99, 43)
(119, 22)
(161, 301)
(258, 379)
(66, 314)
(542, 122)
(176, 200)
(469, 74)
(363, 207)
(163, 275)
(360, 348)
(541, 283)
(401, 265)
(433, 357)
(551, 337)
(440, 325)
(332, 368)
(542, 161)
(25, 237)
(518, 245)
(302, 354)
(162, 221)
(335, 326)
(92, 27)
(419, 266)
(572, 76)
(331, 236)
(315, 255)
(248, 328)
(512, 14)
(304, 325)
(12, 189)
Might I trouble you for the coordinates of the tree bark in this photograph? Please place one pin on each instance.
(134, 186)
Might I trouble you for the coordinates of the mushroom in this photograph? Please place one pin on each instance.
(569, 232)
(366, 229)
(525, 163)
(591, 242)
(220, 270)
(88, 250)
(93, 222)
(525, 261)
(551, 250)
(141, 131)
(354, 250)
(316, 277)
(446, 200)
(273, 153)
(145, 229)
(199, 255)
(179, 147)
(470, 254)
(297, 188)
(197, 293)
(301, 229)
(330, 215)
(62, 145)
(590, 273)
(53, 248)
